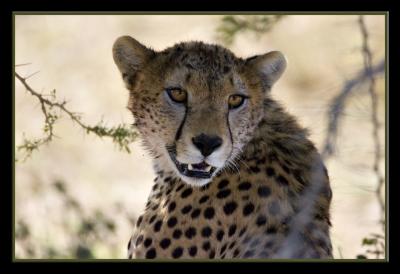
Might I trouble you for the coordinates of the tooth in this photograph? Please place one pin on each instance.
(190, 167)
(208, 169)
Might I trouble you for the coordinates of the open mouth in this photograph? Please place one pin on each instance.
(201, 170)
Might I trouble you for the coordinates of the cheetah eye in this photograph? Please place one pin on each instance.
(177, 95)
(236, 101)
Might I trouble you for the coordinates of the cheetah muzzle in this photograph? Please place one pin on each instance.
(200, 170)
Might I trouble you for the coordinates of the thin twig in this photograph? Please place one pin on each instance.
(367, 58)
(309, 198)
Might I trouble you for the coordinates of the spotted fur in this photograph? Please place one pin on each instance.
(246, 209)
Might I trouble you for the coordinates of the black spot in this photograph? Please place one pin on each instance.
(209, 213)
(260, 161)
(188, 76)
(157, 226)
(220, 234)
(269, 244)
(206, 246)
(206, 231)
(190, 232)
(248, 254)
(165, 243)
(177, 252)
(186, 193)
(298, 176)
(271, 230)
(282, 180)
(264, 191)
(223, 184)
(147, 242)
(152, 219)
(177, 233)
(204, 199)
(286, 169)
(244, 186)
(255, 169)
(167, 179)
(139, 221)
(179, 187)
(270, 171)
(236, 252)
(242, 232)
(172, 222)
(212, 254)
(193, 251)
(223, 193)
(195, 213)
(139, 240)
(203, 188)
(282, 148)
(148, 205)
(230, 207)
(246, 240)
(274, 208)
(231, 81)
(129, 244)
(166, 202)
(171, 207)
(232, 245)
(226, 69)
(232, 230)
(155, 207)
(151, 253)
(261, 220)
(248, 209)
(186, 209)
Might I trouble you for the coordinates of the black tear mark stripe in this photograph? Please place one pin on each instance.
(179, 131)
(229, 128)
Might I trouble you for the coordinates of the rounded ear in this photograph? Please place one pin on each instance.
(269, 66)
(130, 56)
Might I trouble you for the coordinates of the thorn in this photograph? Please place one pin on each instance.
(24, 64)
(31, 75)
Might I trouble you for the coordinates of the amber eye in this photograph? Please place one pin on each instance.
(235, 101)
(177, 95)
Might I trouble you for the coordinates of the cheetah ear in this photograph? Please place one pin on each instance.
(130, 56)
(270, 67)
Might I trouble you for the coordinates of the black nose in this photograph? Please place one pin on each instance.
(207, 144)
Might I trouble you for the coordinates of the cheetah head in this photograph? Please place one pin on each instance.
(196, 105)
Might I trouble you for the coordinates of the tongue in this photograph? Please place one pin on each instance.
(202, 165)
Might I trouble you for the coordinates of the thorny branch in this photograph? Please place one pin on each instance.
(231, 25)
(121, 135)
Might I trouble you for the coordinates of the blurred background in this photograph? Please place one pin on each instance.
(78, 196)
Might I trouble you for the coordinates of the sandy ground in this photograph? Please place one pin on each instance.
(73, 56)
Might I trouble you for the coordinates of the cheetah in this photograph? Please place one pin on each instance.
(233, 169)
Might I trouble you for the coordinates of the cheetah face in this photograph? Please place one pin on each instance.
(196, 105)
